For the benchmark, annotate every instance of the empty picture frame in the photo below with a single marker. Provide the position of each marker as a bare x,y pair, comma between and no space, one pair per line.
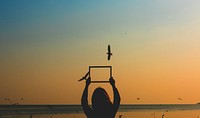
100,67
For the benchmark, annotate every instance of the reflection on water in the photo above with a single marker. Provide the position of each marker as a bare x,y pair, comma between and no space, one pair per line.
131,114
161,114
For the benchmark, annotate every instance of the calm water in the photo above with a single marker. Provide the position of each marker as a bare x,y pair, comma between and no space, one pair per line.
133,114
75,111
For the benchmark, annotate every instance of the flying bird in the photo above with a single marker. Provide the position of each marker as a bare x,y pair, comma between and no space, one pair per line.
180,98
84,77
109,52
138,98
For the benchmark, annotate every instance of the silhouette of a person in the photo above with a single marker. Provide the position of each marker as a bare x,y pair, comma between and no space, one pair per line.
102,107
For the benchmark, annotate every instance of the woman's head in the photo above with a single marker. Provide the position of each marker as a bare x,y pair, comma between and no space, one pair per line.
100,99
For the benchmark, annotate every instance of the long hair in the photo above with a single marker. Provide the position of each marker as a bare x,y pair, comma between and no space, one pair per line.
101,100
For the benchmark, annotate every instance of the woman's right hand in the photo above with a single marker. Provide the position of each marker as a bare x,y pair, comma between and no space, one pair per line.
88,81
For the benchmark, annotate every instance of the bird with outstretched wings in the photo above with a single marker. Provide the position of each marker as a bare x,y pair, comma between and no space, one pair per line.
84,77
109,52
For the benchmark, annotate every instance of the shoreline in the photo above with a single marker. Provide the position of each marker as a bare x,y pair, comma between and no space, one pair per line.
69,109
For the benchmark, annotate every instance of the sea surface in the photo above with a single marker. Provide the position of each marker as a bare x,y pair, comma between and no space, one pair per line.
125,111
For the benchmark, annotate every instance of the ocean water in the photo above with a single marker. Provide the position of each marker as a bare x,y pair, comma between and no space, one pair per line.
125,111
132,114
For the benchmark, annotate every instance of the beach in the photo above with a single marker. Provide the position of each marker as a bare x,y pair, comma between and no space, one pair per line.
125,111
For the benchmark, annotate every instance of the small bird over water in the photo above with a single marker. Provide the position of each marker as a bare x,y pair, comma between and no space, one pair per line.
180,98
109,52
138,98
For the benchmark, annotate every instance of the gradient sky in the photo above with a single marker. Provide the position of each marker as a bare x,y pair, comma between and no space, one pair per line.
47,45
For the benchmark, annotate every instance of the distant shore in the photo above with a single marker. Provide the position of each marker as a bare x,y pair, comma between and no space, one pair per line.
69,108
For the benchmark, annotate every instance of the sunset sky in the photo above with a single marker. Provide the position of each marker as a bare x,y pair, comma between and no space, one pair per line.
47,45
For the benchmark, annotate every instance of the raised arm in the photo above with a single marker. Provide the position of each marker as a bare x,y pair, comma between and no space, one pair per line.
84,100
117,98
